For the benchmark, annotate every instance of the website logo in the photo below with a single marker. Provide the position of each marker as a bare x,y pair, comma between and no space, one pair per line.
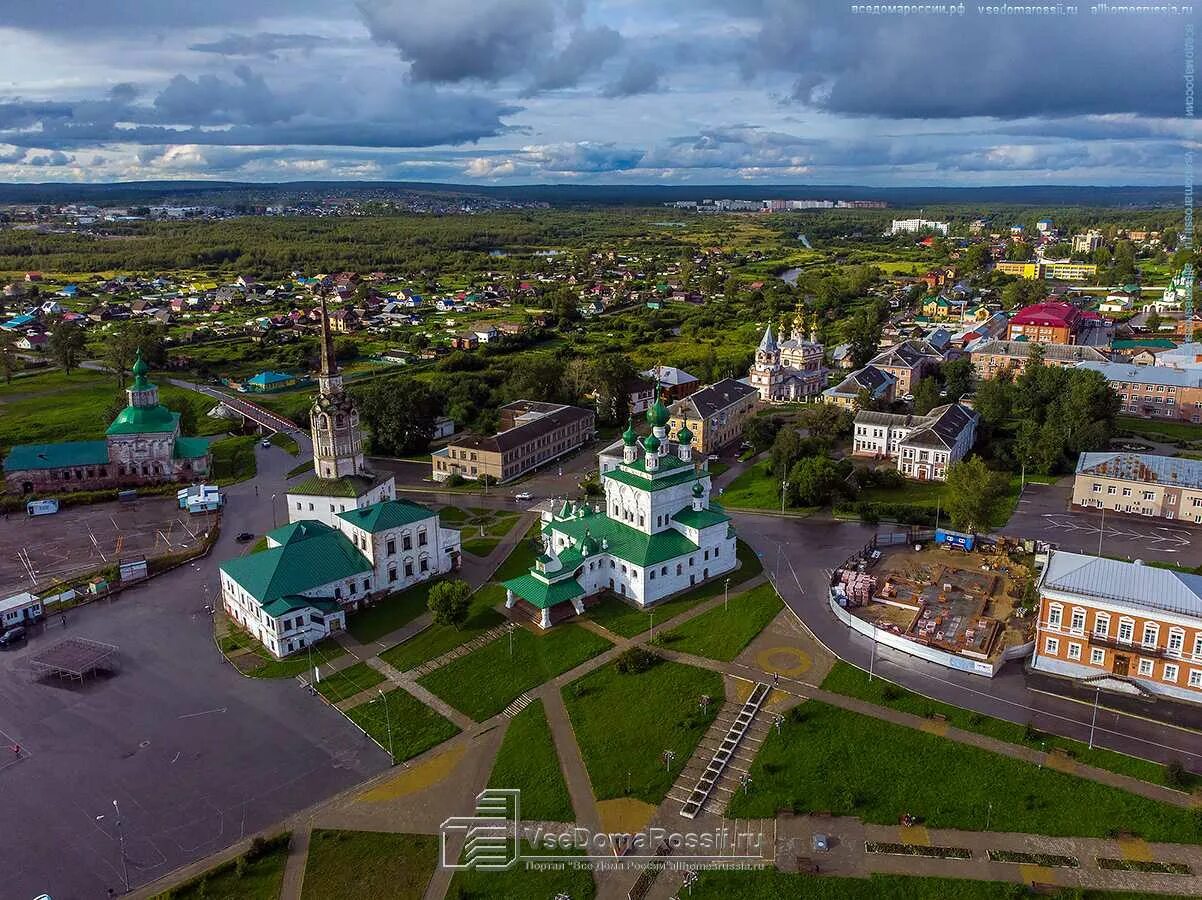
490,836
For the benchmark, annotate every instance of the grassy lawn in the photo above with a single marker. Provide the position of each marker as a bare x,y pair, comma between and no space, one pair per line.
756,488
390,613
716,467
1158,430
932,494
483,529
529,762
347,682
234,459
301,468
847,679
377,864
438,639
625,619
485,681
261,664
624,723
285,442
829,759
481,546
520,883
722,633
261,876
771,884
415,727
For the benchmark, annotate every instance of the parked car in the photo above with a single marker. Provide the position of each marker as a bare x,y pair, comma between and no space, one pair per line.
266,442
523,496
12,636
713,457
244,537
907,398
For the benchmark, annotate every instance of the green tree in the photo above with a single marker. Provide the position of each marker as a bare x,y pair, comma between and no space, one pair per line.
827,421
400,414
975,494
10,362
122,347
786,450
449,602
813,480
958,376
1153,321
977,258
760,432
66,344
926,395
863,332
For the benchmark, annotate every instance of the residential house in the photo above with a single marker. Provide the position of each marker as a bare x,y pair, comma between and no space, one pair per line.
715,415
924,447
879,385
674,384
991,358
908,363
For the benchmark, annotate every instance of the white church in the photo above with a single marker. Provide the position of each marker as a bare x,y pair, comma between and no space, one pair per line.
349,541
656,534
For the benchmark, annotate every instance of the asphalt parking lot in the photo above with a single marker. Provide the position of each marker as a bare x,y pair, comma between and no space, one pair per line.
1044,513
196,755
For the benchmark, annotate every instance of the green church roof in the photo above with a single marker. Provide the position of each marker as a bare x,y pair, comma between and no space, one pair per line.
190,447
57,456
542,595
313,555
627,543
386,514
346,486
144,419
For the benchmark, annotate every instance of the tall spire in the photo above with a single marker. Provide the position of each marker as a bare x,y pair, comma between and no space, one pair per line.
329,364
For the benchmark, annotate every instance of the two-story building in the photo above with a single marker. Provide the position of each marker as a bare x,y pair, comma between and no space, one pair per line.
908,362
1119,626
1154,392
714,415
991,358
1050,322
880,386
1166,487
532,433
924,447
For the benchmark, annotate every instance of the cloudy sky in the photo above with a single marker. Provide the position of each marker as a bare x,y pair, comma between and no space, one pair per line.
620,91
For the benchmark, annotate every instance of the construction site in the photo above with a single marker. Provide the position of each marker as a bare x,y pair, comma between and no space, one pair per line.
970,604
39,551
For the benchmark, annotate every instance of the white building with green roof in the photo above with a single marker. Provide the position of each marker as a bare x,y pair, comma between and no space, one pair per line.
143,445
299,589
657,532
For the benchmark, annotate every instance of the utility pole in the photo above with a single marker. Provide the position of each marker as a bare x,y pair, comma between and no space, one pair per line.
121,843
388,720
784,486
726,601
872,653
1093,721
273,512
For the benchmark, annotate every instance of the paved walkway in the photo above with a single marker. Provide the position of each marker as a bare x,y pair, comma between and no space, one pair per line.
431,700
294,866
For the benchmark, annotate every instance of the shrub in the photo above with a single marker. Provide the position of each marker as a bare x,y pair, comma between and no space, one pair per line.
455,480
1176,777
635,660
891,693
450,601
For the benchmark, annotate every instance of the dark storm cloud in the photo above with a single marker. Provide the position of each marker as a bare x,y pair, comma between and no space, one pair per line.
265,44
641,76
951,67
454,40
587,49
245,110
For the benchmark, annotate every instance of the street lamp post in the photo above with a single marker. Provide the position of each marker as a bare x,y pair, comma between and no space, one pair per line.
669,755
121,844
726,601
388,721
784,487
872,653
1094,720
273,512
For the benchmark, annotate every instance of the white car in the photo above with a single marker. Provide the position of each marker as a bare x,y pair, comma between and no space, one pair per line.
523,496
266,442
713,457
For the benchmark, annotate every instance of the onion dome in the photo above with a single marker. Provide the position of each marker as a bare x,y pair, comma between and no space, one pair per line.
588,546
684,436
651,443
657,415
140,368
629,436
698,490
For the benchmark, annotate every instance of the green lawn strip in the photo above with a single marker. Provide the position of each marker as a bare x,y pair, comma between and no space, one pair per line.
257,874
452,515
373,864
301,468
528,761
347,682
268,666
625,619
771,884
848,680
439,639
285,442
756,488
716,468
482,683
521,883
1158,430
390,613
836,761
723,632
415,727
624,723
234,459
481,546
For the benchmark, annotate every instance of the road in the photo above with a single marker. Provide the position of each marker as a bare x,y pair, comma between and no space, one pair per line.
196,755
1043,512
798,554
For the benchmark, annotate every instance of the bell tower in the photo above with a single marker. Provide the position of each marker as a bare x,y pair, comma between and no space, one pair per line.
333,418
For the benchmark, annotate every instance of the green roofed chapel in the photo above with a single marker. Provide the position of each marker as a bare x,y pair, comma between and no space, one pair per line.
299,589
142,446
657,533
